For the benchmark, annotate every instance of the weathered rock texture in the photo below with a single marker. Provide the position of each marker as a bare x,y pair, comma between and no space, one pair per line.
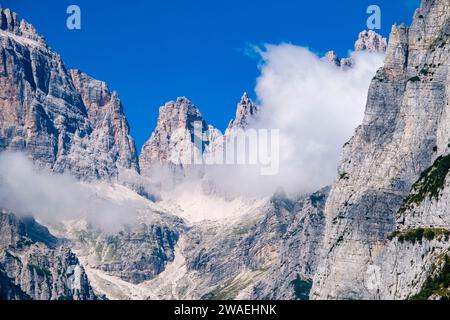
182,137
136,253
35,265
173,141
405,129
262,255
64,120
246,113
368,41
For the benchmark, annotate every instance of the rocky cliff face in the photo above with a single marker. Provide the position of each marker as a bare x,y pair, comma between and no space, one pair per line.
370,41
64,120
173,141
268,253
405,129
35,265
69,122
110,134
381,232
136,253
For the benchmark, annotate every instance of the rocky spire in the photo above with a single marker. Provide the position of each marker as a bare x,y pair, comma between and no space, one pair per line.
370,41
172,141
10,22
65,121
111,132
246,111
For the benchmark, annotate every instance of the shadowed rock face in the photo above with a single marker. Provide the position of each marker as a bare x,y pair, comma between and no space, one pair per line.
9,290
64,120
35,265
405,128
261,255
135,254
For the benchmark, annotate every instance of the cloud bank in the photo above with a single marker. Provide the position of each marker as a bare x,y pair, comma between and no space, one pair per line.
316,106
28,191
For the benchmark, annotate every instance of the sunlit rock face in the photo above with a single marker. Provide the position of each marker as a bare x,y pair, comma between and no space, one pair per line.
368,41
405,129
173,140
64,121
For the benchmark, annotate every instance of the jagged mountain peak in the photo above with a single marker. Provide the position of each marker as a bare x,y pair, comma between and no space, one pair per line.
331,56
246,110
10,22
181,113
370,41
93,91
64,120
107,118
172,140
181,106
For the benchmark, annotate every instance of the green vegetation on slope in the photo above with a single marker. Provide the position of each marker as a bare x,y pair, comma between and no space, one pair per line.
302,288
430,184
417,235
438,284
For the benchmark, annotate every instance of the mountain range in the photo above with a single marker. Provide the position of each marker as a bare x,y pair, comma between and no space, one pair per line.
380,231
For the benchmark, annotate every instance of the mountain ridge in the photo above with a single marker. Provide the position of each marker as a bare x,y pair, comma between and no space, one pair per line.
380,232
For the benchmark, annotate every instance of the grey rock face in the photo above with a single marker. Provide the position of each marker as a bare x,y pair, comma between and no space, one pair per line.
172,142
34,264
300,248
370,41
43,113
405,129
261,255
9,22
68,122
9,290
136,254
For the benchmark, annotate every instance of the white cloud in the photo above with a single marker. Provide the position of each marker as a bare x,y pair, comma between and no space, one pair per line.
316,105
26,190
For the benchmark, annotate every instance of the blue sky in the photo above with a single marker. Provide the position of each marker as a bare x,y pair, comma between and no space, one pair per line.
153,51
